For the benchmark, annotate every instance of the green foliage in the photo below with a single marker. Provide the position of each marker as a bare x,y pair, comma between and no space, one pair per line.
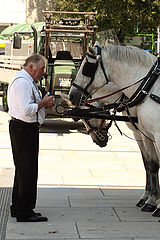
122,15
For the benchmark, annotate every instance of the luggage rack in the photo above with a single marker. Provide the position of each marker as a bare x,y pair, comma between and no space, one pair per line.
62,24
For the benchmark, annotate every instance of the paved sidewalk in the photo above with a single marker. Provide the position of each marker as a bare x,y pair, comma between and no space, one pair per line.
86,192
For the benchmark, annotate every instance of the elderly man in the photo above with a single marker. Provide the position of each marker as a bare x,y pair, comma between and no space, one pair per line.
27,111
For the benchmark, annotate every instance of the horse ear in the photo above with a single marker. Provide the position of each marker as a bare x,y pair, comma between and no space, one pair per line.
91,50
97,44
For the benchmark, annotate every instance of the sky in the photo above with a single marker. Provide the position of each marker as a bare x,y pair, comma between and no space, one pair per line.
12,11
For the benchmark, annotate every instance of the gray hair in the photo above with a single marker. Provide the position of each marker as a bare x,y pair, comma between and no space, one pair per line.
34,59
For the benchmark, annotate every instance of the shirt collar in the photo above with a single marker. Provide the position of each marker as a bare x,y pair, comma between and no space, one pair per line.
28,76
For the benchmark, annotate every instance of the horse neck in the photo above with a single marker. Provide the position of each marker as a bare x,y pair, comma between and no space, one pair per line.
107,90
124,74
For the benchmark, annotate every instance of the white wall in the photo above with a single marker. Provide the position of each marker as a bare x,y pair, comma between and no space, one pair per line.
13,11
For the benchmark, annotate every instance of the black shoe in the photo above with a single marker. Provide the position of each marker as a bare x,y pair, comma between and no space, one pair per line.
13,212
34,218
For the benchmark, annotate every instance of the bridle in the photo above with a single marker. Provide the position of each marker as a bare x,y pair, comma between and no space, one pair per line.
89,70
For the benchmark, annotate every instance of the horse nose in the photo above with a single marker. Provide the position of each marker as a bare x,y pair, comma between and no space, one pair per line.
74,96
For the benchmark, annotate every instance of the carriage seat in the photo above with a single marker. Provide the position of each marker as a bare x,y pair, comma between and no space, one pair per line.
63,55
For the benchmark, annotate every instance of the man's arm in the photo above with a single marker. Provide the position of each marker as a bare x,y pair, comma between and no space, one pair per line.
47,101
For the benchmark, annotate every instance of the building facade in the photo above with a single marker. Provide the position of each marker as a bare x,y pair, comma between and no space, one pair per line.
12,12
22,11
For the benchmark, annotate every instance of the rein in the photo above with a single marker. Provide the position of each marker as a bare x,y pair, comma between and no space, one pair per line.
120,90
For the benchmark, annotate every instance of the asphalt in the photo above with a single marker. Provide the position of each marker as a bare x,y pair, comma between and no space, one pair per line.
87,192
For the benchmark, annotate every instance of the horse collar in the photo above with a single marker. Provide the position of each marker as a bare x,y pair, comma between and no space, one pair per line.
146,85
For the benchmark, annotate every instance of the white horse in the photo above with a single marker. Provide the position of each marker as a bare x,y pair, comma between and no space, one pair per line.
125,66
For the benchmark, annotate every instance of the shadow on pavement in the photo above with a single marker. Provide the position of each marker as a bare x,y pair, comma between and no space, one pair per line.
62,126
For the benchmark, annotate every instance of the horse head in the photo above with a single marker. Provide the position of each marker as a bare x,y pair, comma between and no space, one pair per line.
90,77
85,87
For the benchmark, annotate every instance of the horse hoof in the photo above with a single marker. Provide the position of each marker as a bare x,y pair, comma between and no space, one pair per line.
156,213
148,208
141,203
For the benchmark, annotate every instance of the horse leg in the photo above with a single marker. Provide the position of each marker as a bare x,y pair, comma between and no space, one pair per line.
147,191
152,166
156,213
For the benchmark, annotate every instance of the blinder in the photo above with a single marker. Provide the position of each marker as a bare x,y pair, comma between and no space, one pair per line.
89,69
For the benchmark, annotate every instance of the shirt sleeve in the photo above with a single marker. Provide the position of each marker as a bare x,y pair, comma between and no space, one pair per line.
23,95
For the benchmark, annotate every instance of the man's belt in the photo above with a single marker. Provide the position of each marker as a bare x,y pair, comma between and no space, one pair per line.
20,121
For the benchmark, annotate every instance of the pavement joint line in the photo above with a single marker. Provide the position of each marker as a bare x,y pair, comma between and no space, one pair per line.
87,150
102,192
92,185
69,201
117,214
79,236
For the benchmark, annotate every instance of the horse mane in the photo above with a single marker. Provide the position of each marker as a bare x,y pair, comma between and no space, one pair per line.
131,54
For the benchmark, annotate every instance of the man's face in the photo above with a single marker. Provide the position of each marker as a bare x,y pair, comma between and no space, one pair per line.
38,71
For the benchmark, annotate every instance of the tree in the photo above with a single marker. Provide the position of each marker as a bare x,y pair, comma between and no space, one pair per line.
124,16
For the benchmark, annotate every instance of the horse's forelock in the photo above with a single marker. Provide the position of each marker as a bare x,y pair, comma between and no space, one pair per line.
91,50
131,55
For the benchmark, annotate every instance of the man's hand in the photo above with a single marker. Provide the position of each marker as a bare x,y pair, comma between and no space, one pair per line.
47,101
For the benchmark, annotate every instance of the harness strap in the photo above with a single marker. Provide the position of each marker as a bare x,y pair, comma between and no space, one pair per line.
141,85
101,125
102,66
99,52
81,89
145,86
120,90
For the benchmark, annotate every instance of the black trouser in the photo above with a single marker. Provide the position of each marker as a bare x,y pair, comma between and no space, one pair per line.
25,146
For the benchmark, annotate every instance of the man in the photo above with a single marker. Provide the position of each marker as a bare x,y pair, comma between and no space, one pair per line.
27,111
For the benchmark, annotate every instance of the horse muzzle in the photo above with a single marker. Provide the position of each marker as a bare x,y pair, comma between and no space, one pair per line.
100,138
77,97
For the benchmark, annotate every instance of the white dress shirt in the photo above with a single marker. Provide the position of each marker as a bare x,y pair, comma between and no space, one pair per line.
21,97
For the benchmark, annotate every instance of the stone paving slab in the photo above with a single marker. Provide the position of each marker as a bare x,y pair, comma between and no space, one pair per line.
119,230
46,230
71,214
92,202
62,193
146,238
122,193
134,214
48,197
